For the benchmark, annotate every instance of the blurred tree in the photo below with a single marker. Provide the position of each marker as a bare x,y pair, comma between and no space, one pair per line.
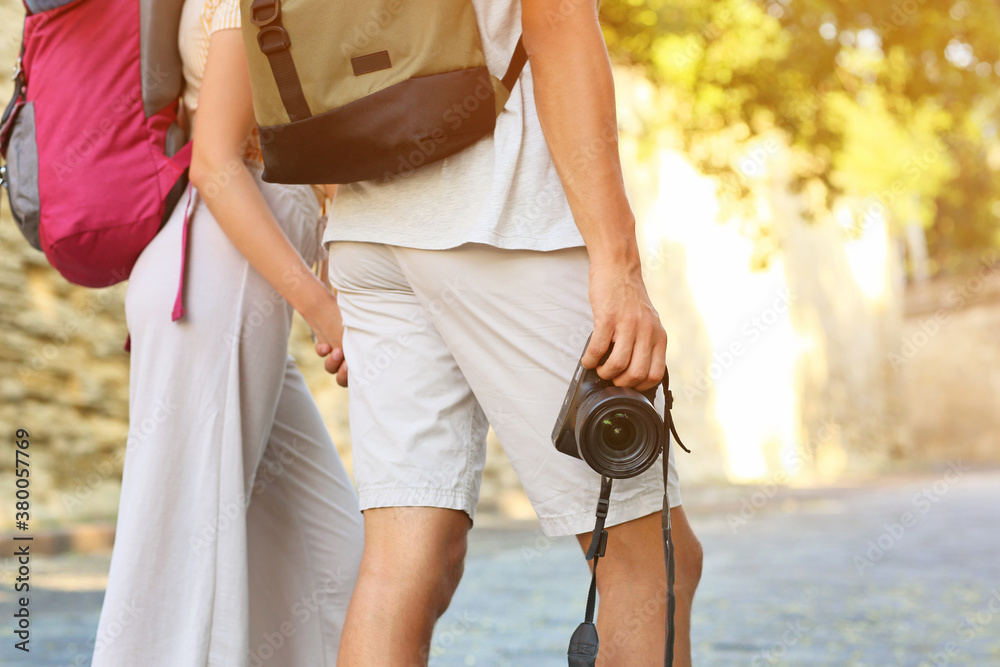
889,102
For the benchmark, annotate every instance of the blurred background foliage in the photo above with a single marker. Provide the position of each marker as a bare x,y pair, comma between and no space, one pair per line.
894,102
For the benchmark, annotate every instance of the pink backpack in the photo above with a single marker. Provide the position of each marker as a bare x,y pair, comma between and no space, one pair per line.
95,159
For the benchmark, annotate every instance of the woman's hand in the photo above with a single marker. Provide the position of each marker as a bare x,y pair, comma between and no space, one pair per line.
328,331
323,317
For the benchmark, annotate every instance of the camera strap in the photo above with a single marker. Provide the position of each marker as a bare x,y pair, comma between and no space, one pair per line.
668,542
585,643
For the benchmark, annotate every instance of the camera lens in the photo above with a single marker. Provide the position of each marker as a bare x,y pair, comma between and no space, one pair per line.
617,431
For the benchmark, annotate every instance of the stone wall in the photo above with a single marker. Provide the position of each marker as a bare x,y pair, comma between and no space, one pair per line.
63,377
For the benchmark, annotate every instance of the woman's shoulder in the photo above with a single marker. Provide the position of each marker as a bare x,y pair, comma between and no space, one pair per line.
220,14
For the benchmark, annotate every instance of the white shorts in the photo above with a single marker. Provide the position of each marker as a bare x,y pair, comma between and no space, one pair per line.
444,343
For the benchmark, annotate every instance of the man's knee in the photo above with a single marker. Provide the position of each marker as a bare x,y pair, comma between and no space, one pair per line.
635,549
689,555
691,560
453,566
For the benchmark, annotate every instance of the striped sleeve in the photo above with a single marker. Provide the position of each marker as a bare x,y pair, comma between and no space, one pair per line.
225,15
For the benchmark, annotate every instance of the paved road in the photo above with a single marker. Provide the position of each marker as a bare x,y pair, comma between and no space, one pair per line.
900,572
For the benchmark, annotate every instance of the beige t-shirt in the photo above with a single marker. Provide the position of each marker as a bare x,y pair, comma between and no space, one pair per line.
503,191
200,19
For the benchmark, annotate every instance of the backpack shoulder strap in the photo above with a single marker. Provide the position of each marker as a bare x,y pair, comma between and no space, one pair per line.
7,121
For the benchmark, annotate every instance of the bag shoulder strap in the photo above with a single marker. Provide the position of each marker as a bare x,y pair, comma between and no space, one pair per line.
273,40
517,63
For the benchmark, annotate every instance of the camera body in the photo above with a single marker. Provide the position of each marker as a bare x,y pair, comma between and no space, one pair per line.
615,430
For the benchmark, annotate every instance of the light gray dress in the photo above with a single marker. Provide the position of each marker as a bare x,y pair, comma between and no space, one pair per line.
239,535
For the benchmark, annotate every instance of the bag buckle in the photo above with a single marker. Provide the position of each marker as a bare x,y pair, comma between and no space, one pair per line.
270,47
17,70
265,12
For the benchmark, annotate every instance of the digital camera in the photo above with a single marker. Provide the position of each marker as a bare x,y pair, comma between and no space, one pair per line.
615,430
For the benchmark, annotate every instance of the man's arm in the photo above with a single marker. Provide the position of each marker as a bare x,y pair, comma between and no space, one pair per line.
574,94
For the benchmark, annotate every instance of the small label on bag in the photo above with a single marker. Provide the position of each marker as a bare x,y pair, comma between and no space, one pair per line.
373,62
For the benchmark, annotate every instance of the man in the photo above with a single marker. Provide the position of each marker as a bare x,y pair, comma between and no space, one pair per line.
465,300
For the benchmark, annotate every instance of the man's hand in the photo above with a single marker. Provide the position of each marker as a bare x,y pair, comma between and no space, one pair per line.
323,317
624,314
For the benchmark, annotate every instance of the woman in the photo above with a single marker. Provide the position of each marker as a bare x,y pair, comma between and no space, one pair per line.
239,535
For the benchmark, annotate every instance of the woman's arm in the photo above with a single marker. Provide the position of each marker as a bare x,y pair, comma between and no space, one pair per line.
224,122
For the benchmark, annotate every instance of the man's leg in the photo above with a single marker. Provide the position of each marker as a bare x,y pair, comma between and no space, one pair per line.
632,583
411,566
419,441
516,322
